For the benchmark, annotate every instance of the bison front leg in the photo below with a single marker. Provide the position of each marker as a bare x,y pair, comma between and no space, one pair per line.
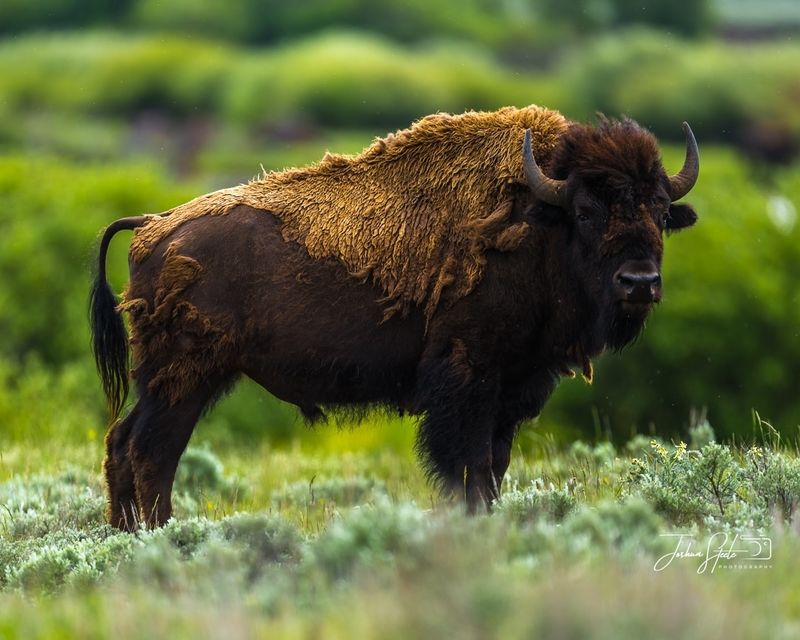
518,402
455,436
480,486
455,444
502,443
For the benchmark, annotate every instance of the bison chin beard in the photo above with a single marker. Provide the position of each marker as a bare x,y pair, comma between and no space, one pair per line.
625,323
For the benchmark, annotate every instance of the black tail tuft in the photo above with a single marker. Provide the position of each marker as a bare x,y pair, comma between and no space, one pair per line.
109,338
110,344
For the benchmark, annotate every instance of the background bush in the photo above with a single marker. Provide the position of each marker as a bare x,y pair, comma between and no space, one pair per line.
744,95
497,24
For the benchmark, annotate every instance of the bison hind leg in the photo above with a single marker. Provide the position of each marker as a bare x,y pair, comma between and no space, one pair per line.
121,510
158,440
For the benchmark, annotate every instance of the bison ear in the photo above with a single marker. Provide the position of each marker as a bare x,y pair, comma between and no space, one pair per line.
679,217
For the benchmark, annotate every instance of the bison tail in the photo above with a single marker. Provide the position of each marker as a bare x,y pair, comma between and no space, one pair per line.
109,338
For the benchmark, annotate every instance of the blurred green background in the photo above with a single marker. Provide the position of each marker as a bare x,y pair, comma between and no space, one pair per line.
111,108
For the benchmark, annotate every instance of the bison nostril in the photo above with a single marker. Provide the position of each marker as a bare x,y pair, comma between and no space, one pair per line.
647,279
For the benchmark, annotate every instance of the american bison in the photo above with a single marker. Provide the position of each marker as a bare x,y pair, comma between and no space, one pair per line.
454,270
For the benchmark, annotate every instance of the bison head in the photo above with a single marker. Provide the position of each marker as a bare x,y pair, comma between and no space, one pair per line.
609,189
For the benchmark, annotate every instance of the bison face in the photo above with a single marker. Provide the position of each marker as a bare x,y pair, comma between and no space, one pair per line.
616,201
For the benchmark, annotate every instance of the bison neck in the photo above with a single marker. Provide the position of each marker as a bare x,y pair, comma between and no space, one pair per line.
568,326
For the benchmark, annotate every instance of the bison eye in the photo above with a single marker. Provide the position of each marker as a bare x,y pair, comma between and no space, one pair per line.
588,210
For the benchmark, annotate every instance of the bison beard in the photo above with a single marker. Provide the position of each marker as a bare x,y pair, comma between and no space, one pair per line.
439,273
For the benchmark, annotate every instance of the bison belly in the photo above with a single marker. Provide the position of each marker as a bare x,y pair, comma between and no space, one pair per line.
227,294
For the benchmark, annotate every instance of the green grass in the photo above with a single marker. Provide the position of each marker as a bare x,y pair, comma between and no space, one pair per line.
342,538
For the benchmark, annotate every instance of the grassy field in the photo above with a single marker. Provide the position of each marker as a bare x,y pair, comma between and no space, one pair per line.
341,537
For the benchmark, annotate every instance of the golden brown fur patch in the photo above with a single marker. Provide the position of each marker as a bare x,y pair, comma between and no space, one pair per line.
415,211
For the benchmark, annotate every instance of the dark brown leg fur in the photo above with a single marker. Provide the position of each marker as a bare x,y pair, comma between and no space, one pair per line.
502,443
480,487
158,439
121,509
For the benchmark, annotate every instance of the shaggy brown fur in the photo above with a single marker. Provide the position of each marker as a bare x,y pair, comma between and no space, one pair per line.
175,326
615,155
415,212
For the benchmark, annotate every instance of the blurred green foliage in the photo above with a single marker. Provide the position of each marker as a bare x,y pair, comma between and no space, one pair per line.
498,24
403,20
747,96
332,80
20,15
50,213
355,81
694,17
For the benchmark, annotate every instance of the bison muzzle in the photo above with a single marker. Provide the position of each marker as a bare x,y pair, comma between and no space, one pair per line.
455,270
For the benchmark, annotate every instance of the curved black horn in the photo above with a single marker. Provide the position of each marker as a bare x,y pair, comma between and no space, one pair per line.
682,182
544,188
